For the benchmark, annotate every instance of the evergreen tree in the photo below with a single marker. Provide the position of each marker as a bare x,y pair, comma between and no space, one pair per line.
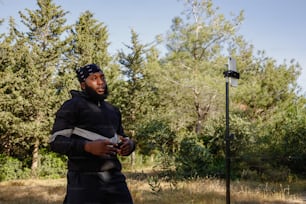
7,119
88,43
267,100
138,93
38,53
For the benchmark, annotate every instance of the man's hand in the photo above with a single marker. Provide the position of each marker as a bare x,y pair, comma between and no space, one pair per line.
101,148
127,146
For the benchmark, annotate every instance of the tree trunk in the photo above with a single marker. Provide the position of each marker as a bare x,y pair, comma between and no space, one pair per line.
35,158
133,157
133,153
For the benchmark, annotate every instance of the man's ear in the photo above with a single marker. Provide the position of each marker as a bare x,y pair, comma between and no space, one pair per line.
83,86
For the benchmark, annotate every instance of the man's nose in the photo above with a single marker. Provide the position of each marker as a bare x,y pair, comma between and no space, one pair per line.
100,81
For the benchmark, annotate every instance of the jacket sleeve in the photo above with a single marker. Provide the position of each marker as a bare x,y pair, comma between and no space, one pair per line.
61,140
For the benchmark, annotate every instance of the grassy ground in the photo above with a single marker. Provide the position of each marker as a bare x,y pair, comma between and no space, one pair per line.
147,190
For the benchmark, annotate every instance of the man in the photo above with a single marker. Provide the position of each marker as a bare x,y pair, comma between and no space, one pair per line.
89,131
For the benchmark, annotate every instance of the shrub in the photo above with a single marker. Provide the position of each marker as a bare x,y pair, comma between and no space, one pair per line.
11,168
52,165
156,138
193,158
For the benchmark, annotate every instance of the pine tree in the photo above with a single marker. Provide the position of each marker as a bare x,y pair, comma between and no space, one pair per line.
7,118
137,94
40,55
88,43
137,91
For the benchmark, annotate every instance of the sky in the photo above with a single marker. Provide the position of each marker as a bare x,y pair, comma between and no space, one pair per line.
276,26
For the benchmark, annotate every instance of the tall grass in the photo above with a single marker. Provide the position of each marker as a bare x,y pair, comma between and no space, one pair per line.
147,190
211,191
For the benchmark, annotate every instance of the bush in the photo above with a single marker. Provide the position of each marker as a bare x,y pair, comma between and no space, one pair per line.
156,138
193,158
52,165
11,168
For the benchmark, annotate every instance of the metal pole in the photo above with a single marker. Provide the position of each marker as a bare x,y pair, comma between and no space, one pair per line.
227,140
233,74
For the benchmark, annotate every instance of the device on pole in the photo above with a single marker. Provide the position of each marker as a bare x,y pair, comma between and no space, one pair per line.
232,72
232,77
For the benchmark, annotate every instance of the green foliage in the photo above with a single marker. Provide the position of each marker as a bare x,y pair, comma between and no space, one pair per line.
157,138
29,75
173,105
137,97
193,158
89,42
192,70
288,144
52,165
11,168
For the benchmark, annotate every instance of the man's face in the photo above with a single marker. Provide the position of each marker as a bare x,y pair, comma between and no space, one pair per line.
96,81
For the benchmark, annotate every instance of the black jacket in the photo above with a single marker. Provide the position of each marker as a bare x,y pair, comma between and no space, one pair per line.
81,119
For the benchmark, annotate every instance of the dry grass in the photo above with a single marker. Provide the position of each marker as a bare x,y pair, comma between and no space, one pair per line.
32,191
210,191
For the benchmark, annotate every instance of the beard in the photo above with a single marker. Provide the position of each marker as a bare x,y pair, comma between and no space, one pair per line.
94,95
